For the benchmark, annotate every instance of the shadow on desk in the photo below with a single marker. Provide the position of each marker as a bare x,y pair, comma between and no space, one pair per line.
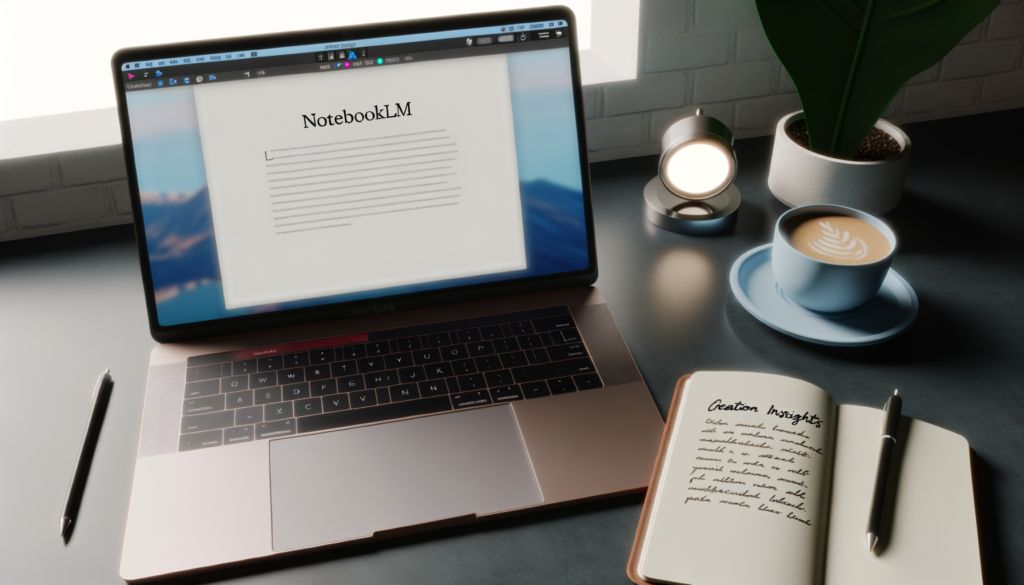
239,571
993,559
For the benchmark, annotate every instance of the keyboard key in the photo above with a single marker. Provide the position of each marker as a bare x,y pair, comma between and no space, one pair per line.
469,335
270,364
521,327
530,341
373,364
318,372
268,395
308,406
409,344
378,348
561,385
567,351
426,356
380,379
436,371
200,440
323,387
535,389
290,376
352,352
398,360
350,383
506,331
321,356
565,336
513,360
463,367
263,380
279,411
279,428
238,399
435,388
204,404
363,398
192,374
347,418
498,378
383,397
411,375
486,363
206,422
403,392
204,388
333,403
472,382
339,369
467,399
213,371
588,381
234,384
248,416
506,394
491,332
553,323
295,391
480,348
243,368
239,434
506,345
553,370
438,339
454,352
296,360
537,356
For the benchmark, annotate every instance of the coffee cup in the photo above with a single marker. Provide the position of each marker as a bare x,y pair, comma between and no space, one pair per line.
831,258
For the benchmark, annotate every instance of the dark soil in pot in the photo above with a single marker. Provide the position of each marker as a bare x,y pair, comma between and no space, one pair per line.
877,146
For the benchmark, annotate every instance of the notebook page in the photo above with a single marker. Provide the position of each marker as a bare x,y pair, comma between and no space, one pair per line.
934,536
744,488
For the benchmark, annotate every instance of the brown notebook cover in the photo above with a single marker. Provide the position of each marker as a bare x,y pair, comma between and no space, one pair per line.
634,554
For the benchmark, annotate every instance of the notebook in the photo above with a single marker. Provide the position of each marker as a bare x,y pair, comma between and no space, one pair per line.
765,479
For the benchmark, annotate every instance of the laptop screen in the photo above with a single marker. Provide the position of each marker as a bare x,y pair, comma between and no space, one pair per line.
287,177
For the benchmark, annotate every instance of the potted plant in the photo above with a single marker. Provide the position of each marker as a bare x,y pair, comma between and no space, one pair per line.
848,59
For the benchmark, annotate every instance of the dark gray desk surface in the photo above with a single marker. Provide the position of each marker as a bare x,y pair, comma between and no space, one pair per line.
72,305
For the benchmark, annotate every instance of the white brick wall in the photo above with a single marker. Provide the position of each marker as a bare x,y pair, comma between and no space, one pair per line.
693,53
725,65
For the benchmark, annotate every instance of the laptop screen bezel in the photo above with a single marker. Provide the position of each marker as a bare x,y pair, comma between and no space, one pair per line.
180,332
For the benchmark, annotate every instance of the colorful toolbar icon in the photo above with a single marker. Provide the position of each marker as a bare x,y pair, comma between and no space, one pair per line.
159,73
160,84
130,76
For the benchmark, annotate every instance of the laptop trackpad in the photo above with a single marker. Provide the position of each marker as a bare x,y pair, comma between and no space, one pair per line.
351,483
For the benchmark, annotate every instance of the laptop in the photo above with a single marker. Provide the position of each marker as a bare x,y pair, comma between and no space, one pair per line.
367,255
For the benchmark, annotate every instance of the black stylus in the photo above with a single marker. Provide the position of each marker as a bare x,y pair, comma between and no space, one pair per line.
100,396
890,425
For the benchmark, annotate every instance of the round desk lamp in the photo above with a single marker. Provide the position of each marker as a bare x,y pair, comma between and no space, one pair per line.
693,192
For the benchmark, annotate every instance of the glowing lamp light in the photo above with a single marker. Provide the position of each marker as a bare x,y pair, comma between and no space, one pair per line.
693,192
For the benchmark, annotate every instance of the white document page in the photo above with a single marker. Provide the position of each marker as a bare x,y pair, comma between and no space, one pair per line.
353,180
933,535
744,489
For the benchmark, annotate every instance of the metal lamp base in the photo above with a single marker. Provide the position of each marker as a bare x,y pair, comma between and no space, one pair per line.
708,216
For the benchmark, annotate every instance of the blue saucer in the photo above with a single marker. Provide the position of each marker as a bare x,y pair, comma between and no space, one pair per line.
890,313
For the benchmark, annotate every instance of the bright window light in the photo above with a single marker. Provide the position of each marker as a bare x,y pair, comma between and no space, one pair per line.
55,56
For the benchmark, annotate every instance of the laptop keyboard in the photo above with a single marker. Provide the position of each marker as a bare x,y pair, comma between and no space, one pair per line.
241,396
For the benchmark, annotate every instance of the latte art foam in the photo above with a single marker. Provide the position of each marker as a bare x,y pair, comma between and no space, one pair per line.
837,239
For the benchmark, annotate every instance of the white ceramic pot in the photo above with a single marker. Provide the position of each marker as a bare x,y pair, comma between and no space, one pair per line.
801,177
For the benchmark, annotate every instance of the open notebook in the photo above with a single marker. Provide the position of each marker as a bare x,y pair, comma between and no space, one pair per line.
764,479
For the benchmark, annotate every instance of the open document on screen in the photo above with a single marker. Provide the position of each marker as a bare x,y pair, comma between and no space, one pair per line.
332,183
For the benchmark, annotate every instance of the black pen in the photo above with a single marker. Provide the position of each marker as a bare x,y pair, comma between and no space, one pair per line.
890,425
100,396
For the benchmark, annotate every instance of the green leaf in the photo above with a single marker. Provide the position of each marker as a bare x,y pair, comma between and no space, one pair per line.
848,58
